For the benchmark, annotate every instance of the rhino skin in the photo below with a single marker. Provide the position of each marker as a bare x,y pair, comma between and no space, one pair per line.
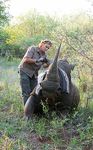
51,94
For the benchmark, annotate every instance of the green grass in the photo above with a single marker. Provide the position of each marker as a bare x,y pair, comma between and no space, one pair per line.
72,133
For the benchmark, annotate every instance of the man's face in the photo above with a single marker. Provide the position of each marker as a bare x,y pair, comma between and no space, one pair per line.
45,47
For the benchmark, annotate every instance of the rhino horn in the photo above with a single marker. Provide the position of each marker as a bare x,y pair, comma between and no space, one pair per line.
52,77
53,69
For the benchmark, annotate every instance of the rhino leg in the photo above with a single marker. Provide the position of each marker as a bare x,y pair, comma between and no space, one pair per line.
29,106
33,106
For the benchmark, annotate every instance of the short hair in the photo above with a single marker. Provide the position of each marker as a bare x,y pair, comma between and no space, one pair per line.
47,41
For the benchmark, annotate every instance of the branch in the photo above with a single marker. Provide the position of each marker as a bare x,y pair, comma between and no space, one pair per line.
81,52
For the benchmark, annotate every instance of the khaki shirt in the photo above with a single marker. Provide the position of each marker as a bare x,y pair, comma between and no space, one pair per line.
32,69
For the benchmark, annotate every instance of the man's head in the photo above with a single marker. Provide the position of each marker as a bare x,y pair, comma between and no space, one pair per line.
44,45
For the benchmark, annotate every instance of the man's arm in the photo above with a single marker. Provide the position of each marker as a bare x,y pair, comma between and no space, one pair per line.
28,57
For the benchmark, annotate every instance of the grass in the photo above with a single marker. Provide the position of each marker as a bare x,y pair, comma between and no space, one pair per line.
72,133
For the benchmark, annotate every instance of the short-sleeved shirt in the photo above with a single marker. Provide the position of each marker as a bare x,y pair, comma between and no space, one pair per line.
30,68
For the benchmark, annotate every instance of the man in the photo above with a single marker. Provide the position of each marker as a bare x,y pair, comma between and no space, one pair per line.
32,61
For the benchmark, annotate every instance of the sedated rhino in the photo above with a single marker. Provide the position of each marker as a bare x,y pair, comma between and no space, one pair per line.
55,90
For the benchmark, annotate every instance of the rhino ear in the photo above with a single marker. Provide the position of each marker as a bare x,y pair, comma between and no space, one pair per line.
72,66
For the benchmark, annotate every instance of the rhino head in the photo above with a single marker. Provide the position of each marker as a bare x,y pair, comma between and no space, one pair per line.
51,81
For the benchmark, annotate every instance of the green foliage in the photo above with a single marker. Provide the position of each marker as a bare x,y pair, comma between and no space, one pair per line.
32,28
3,45
75,33
4,15
29,30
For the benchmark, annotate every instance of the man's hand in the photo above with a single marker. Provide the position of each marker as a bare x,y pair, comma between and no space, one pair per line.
44,60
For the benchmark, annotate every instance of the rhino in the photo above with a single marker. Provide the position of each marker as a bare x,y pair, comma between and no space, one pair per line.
54,90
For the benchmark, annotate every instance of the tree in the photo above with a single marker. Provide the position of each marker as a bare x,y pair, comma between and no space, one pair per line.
4,19
4,15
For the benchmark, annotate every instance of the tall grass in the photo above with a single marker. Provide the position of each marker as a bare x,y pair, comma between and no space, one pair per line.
72,133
